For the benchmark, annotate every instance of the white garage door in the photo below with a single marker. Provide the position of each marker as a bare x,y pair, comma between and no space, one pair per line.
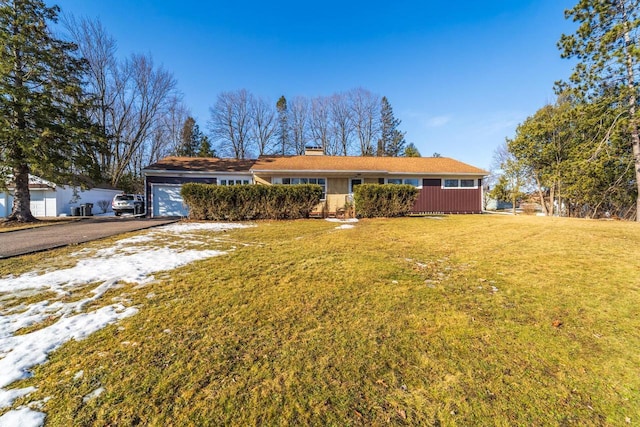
38,207
167,201
5,207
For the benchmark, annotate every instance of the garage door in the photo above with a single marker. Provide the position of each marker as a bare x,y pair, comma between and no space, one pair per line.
5,207
167,201
37,205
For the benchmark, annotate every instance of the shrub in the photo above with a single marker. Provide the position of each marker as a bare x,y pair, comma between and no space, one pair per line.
248,202
104,205
528,208
384,200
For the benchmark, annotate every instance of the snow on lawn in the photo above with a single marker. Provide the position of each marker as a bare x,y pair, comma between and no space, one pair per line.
346,223
132,260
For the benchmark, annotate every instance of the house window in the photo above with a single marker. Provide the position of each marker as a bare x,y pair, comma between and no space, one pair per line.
294,181
459,183
234,182
407,181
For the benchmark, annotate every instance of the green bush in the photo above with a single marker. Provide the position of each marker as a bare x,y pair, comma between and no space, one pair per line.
249,202
384,200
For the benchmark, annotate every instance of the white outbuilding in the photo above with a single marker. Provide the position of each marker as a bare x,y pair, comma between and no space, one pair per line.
50,200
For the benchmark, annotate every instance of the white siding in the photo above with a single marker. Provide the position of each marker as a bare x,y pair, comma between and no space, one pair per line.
66,199
4,205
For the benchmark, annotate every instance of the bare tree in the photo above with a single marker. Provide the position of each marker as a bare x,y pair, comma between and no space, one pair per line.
264,127
170,128
299,122
99,50
130,98
341,124
231,122
365,109
319,126
137,112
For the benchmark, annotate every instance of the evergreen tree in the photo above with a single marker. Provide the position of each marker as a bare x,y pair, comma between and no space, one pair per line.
411,151
283,124
43,126
205,149
189,143
391,142
606,46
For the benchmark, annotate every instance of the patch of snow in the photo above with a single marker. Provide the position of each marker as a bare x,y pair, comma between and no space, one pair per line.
95,393
345,226
23,417
349,220
8,396
23,352
132,260
185,227
78,375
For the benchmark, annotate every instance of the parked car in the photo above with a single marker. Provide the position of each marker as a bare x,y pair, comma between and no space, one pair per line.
128,203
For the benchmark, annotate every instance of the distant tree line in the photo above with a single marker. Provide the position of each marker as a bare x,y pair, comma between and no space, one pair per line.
580,156
356,122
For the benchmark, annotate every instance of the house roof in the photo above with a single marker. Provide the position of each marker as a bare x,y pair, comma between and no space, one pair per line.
202,164
327,164
403,165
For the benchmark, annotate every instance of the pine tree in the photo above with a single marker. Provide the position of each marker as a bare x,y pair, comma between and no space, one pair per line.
606,46
283,124
205,149
43,126
411,151
391,142
188,138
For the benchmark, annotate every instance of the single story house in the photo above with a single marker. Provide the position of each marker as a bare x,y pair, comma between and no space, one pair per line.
50,200
446,185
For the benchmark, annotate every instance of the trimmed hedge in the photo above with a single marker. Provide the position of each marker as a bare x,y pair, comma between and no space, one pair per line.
384,200
249,202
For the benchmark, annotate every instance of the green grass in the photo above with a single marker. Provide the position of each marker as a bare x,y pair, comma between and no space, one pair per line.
467,320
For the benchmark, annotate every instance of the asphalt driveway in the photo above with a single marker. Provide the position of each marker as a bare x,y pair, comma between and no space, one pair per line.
20,242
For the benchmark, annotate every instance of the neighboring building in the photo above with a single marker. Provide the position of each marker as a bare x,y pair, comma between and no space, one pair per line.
50,200
446,185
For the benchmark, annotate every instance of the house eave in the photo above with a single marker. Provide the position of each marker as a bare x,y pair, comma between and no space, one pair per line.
359,172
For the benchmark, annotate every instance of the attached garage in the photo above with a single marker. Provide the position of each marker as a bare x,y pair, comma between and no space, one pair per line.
164,180
167,201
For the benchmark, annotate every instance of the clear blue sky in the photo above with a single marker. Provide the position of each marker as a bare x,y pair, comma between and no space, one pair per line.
459,74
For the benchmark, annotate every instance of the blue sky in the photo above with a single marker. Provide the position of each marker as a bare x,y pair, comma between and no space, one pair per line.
460,75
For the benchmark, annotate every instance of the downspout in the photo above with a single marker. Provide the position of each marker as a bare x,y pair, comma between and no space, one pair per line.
147,198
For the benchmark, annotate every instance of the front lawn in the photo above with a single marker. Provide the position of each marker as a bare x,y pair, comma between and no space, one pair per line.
461,320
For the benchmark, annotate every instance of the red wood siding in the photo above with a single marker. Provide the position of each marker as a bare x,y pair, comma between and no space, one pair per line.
434,199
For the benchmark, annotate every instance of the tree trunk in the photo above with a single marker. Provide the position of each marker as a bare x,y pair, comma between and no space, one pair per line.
21,210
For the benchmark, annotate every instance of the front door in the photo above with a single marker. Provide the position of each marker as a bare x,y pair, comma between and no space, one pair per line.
353,183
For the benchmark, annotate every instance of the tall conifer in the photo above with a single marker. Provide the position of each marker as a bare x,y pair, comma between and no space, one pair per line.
43,125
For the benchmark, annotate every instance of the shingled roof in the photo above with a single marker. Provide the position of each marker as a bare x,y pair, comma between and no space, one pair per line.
418,165
336,164
202,164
